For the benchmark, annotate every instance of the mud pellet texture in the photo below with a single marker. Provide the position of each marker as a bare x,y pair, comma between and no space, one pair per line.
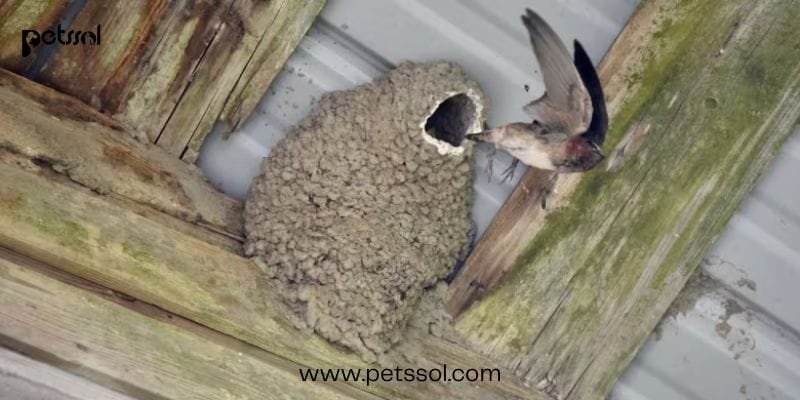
355,214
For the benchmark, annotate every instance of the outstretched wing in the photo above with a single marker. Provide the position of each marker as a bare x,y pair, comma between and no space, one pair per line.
566,106
599,124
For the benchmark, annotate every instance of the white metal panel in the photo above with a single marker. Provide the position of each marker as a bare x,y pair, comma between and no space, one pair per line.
756,262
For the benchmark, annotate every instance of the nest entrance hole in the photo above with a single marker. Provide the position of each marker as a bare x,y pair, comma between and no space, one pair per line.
452,119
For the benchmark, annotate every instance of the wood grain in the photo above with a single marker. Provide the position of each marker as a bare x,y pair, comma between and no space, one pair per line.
703,94
91,149
25,14
228,92
521,217
152,355
167,70
23,378
85,235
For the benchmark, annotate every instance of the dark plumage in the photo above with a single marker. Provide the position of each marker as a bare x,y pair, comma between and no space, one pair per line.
599,125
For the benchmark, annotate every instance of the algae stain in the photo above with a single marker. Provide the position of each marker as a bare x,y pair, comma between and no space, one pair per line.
65,231
24,15
666,24
661,71
47,220
136,253
652,81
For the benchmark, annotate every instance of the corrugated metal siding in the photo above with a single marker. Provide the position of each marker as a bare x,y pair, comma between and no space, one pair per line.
738,336
702,353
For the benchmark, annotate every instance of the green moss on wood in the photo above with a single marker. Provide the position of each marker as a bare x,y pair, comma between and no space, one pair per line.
49,220
24,14
137,253
661,210
65,231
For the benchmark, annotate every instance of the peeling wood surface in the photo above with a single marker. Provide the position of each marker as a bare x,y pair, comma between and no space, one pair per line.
84,235
703,94
87,146
136,349
167,70
24,14
231,94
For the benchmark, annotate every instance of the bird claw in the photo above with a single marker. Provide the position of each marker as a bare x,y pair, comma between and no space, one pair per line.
509,172
545,194
490,165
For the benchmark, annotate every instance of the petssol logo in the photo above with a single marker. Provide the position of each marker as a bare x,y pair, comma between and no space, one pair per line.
32,38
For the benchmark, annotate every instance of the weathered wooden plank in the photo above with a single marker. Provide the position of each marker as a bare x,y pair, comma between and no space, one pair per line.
273,50
229,91
704,93
25,14
519,219
89,148
81,233
146,355
100,75
149,55
23,378
168,70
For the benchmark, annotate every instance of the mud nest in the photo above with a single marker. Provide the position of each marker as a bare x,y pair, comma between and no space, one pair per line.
360,212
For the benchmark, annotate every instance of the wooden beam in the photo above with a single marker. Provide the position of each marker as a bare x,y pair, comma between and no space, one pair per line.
168,70
703,94
136,349
261,64
85,235
25,14
23,378
518,221
89,148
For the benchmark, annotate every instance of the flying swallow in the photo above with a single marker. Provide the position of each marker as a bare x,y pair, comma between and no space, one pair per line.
569,121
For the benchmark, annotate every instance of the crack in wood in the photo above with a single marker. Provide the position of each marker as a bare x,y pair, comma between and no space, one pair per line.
191,75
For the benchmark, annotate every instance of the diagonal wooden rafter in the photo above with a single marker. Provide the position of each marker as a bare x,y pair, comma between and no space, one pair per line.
702,95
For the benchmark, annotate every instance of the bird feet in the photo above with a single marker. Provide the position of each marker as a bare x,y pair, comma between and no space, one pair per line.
545,194
490,165
508,174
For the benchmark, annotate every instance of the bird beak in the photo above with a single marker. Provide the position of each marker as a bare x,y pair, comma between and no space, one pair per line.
477,137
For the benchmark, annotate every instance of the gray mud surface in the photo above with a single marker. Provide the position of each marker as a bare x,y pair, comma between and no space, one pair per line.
357,215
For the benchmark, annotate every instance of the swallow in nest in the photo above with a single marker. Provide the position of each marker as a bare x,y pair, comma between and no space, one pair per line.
569,121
